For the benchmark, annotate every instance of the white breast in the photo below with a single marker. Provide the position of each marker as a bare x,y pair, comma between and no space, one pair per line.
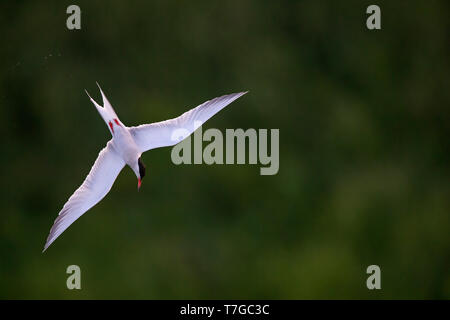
124,144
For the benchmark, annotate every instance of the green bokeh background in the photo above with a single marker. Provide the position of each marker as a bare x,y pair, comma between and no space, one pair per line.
364,149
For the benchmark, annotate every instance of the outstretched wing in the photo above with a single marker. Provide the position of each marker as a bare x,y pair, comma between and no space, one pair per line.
96,185
170,132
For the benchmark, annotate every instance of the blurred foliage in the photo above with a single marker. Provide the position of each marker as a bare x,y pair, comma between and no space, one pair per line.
364,149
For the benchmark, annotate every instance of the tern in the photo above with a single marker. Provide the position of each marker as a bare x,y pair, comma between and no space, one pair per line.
125,148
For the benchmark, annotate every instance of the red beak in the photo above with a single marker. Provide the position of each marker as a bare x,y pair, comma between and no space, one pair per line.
139,183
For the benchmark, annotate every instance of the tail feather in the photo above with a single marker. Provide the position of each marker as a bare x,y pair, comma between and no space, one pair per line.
106,103
106,111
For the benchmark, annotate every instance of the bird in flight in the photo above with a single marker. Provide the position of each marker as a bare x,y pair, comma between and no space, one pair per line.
125,148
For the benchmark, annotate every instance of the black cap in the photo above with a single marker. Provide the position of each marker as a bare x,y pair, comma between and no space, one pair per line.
141,168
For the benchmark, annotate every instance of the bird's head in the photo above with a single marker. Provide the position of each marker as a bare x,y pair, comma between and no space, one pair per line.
139,170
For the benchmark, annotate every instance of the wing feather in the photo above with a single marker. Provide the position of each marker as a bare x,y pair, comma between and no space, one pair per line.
96,185
164,133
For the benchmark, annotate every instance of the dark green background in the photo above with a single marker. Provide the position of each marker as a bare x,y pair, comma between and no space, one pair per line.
364,155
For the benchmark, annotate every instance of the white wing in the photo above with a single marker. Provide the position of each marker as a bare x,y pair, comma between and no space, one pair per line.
96,185
170,132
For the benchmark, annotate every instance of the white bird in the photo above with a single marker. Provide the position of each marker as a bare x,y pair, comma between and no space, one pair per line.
125,147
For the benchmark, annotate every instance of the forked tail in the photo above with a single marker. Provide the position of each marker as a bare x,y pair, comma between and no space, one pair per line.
107,112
